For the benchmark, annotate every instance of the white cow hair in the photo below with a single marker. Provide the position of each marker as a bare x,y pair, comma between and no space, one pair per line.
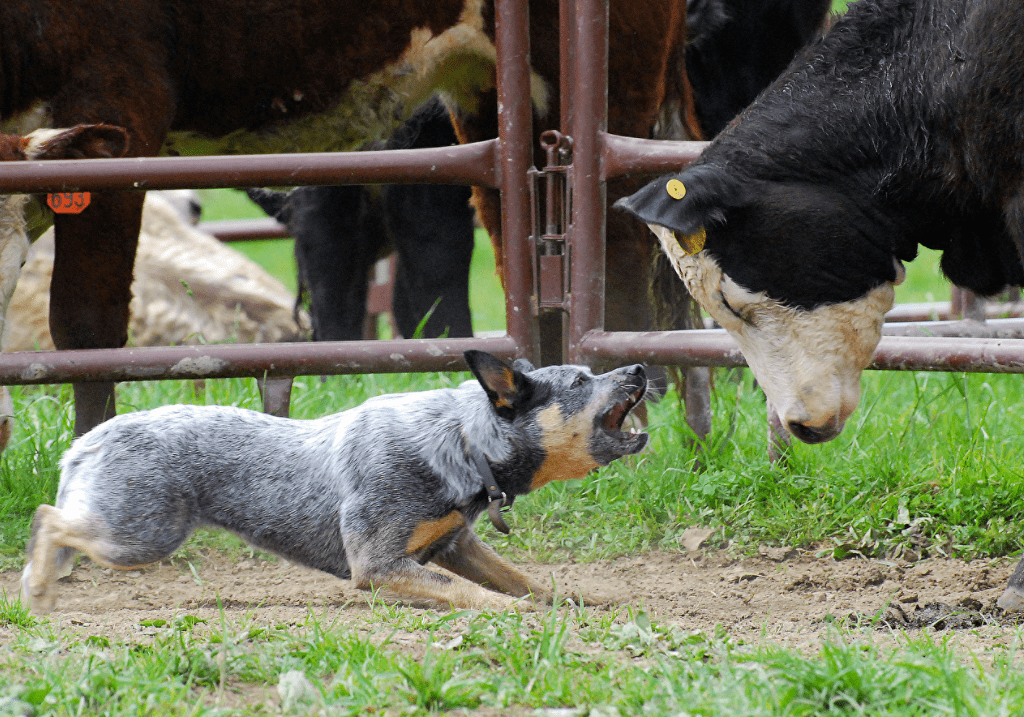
188,287
14,244
791,351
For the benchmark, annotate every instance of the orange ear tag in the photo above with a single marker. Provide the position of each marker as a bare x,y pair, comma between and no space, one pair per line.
692,243
68,202
675,189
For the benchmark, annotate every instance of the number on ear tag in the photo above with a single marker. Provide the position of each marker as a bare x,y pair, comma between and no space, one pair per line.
68,202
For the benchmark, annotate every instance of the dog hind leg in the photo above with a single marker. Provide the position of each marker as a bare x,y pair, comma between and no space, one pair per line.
55,540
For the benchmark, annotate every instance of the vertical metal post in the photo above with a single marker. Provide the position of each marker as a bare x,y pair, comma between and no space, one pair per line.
515,140
590,120
566,62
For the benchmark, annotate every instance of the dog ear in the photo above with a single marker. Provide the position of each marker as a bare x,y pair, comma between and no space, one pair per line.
505,385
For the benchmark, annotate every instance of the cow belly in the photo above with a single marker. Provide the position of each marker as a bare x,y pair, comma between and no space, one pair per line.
458,64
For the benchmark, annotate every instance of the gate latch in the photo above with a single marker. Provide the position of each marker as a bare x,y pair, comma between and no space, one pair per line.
550,200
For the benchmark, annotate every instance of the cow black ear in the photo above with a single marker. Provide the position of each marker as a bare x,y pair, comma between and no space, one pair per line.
689,201
505,385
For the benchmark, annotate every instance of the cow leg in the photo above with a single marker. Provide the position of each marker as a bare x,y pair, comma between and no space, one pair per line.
91,289
338,237
432,228
276,394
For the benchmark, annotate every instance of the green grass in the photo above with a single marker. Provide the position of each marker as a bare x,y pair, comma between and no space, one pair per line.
594,663
931,464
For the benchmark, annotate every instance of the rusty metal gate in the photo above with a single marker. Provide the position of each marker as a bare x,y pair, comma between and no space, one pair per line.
503,163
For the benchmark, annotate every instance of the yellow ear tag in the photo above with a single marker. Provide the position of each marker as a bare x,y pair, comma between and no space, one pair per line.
675,189
691,243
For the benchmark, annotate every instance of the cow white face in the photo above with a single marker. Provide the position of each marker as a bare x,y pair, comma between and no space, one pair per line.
808,362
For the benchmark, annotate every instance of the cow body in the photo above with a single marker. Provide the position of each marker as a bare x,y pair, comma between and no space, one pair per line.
177,75
341,231
219,76
900,127
738,47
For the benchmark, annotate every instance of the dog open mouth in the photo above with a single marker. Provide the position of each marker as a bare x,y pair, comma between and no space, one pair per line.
611,421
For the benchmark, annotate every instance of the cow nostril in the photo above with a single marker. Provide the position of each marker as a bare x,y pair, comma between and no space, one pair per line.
808,434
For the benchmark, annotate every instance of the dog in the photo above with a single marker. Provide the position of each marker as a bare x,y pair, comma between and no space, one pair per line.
370,494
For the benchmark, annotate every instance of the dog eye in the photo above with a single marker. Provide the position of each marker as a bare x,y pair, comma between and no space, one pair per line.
580,380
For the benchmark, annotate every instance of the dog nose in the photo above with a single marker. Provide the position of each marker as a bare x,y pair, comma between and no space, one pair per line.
811,434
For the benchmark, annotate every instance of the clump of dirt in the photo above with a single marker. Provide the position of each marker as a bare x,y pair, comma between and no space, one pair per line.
782,596
965,615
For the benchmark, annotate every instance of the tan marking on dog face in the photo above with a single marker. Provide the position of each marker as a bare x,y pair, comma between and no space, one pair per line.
807,362
566,443
429,531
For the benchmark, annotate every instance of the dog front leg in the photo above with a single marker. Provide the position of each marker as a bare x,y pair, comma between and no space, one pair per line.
407,578
475,560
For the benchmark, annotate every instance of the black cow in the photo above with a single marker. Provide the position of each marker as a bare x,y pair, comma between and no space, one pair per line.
902,126
738,47
340,231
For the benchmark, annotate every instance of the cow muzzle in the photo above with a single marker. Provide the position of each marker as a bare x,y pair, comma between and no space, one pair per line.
813,434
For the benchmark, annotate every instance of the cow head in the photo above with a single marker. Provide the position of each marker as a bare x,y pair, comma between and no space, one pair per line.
799,274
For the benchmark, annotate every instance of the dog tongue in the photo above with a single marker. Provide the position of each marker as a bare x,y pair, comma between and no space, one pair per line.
613,421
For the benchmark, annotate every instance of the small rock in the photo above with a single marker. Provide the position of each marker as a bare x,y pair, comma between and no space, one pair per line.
777,554
693,539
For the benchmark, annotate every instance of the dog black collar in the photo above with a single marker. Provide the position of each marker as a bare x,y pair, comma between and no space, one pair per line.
497,500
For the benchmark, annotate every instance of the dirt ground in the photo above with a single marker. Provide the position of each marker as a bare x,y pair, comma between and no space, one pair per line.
781,596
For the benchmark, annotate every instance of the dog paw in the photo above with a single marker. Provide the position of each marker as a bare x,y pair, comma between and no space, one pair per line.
39,602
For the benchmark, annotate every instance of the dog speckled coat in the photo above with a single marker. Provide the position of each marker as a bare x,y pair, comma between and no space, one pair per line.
370,494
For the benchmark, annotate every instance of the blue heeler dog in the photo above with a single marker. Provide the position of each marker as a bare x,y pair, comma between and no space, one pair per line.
369,494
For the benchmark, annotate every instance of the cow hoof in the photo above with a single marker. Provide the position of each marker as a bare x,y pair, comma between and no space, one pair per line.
1012,600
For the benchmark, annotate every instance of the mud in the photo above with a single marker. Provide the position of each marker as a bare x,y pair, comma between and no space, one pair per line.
781,596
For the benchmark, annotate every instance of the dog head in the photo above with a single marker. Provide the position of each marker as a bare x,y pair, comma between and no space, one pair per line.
570,416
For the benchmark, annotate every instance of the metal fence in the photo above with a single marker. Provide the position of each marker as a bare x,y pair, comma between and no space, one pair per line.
501,163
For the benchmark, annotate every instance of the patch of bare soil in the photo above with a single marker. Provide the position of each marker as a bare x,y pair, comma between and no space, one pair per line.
783,597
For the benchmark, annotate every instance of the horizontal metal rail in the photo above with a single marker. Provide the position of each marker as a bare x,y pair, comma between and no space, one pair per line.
894,353
629,155
943,310
153,363
475,163
229,230
673,348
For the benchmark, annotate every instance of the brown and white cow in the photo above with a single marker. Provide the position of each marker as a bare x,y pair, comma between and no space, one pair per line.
78,142
219,76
